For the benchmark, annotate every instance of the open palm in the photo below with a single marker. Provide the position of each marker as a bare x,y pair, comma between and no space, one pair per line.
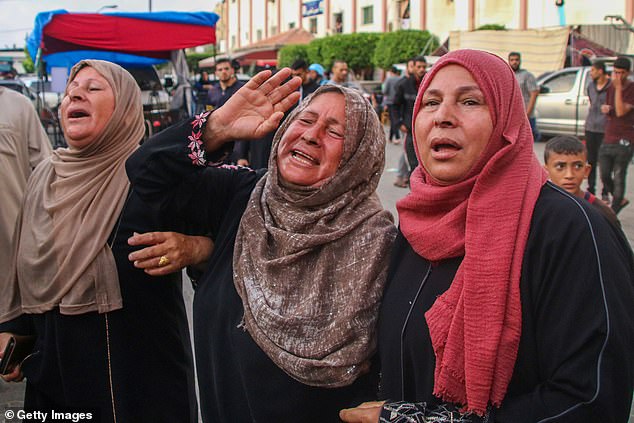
257,108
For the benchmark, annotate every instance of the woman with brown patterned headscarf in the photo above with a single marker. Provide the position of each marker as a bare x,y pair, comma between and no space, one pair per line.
110,339
285,316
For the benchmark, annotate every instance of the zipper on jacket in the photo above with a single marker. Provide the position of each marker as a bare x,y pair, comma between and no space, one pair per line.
409,312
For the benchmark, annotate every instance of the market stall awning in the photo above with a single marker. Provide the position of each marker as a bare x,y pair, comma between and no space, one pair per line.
118,37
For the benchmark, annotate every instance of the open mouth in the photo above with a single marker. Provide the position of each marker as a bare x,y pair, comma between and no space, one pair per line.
304,158
76,114
444,145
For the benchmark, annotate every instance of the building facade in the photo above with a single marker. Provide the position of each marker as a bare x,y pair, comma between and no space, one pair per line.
245,22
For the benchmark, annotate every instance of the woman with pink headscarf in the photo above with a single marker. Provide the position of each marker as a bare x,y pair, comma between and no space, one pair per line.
508,300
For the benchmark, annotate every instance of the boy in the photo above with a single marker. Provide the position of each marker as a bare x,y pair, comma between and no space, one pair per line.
566,161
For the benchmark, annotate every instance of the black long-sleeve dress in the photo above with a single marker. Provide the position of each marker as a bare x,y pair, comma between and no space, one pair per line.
237,380
575,360
130,365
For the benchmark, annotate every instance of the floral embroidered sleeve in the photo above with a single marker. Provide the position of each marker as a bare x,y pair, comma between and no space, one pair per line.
197,152
172,172
420,412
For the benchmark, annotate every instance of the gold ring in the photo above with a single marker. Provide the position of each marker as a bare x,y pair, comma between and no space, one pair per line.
163,261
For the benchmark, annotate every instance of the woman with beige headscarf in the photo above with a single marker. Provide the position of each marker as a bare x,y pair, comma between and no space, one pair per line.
285,315
110,339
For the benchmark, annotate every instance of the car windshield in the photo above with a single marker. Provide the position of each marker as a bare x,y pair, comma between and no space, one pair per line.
146,77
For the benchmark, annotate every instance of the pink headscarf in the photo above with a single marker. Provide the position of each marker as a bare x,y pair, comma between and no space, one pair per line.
475,326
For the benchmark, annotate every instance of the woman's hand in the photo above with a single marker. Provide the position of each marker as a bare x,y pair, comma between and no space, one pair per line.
254,110
168,252
367,412
16,373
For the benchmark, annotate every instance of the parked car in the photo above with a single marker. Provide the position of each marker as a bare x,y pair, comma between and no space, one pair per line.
156,100
43,90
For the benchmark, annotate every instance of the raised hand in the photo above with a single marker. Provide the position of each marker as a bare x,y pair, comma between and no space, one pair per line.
254,110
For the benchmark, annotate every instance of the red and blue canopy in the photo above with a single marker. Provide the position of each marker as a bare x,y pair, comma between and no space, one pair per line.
64,38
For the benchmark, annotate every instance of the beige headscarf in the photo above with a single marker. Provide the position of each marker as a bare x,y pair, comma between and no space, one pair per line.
310,263
72,205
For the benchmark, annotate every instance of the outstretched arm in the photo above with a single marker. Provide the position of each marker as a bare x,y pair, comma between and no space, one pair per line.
254,110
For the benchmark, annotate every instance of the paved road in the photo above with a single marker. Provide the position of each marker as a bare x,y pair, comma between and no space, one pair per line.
12,396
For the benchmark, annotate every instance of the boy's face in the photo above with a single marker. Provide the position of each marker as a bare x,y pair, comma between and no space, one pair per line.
568,171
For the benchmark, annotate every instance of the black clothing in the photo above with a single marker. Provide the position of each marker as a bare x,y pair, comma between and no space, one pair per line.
404,101
574,359
146,342
216,98
237,380
308,88
593,143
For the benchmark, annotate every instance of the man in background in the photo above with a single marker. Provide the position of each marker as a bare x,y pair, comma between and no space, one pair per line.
404,101
227,86
529,88
597,91
300,68
616,151
389,93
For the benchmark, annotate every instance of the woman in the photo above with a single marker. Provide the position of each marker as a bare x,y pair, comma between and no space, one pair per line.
284,317
111,339
507,298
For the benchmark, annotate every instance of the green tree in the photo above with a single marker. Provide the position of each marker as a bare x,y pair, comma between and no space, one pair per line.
194,58
356,49
291,52
28,65
399,46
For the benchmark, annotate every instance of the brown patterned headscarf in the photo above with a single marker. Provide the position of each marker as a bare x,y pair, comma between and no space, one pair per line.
73,202
310,263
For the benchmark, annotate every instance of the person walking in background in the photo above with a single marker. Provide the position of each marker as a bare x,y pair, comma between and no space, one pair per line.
316,74
340,75
404,100
529,88
227,86
596,90
402,176
616,151
300,68
389,93
202,87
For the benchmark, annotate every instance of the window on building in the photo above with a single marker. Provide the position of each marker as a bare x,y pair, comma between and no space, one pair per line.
258,34
338,26
368,15
233,41
291,25
274,30
313,25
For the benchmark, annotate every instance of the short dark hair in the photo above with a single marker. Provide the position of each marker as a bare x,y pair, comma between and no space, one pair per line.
622,63
564,144
420,58
299,64
599,66
515,54
224,60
